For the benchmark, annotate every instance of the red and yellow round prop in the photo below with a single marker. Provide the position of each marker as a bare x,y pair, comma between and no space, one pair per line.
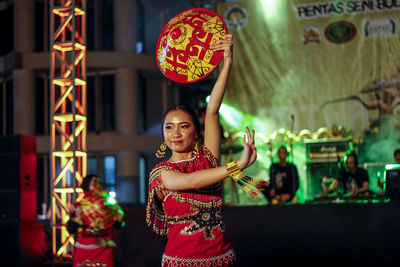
99,210
183,49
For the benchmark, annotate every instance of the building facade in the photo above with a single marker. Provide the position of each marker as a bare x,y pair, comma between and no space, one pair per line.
126,93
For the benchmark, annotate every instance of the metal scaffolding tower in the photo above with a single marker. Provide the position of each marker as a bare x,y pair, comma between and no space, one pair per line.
67,116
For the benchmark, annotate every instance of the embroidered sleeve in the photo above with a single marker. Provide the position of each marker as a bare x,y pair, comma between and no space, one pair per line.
209,156
155,214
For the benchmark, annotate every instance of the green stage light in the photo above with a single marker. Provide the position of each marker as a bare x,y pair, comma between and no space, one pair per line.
392,166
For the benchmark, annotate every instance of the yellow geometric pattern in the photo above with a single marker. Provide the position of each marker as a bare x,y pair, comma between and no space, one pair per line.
183,52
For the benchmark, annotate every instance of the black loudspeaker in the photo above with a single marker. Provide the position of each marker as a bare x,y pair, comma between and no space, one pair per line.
9,207
23,239
18,194
10,247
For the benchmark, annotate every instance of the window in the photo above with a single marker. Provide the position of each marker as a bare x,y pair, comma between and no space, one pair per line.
100,25
42,98
90,25
154,97
107,88
109,173
147,161
42,26
141,104
6,107
92,165
105,167
143,182
140,28
100,102
91,103
6,29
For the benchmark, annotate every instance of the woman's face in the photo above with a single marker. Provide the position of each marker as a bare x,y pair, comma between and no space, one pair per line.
179,131
95,184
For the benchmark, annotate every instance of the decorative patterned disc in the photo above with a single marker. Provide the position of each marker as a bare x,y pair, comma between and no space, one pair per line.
97,210
183,50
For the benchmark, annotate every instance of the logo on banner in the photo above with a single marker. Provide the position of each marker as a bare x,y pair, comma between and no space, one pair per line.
235,18
340,32
311,34
341,7
381,27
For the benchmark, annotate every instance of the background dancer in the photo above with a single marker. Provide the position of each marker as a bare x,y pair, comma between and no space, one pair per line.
92,222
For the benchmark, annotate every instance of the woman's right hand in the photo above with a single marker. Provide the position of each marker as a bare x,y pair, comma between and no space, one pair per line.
78,213
249,154
224,44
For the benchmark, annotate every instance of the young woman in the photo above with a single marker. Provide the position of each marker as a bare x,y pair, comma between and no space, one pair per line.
185,193
92,222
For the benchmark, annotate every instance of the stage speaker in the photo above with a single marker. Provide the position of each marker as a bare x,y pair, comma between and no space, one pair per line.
322,157
23,244
9,207
22,236
10,252
319,175
18,194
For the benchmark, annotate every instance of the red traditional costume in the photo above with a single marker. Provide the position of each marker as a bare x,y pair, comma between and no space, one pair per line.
94,244
192,219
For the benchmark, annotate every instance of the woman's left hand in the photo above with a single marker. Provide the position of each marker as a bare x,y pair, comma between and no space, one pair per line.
119,215
249,154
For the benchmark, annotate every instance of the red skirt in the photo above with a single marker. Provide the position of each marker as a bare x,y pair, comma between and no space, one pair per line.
88,254
224,260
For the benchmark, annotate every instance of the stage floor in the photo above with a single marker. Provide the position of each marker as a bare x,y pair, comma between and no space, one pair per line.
313,234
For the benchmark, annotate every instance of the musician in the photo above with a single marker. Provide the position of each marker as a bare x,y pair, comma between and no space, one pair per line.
397,155
284,180
354,180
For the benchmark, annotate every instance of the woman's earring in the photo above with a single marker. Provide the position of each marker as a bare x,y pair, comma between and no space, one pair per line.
196,148
161,151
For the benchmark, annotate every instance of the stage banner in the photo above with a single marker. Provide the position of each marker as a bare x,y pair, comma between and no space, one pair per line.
307,64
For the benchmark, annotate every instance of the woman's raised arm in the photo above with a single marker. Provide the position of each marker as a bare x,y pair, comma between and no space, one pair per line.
212,134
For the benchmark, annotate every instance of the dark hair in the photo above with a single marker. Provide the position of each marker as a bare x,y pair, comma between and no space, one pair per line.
354,155
396,151
86,181
190,111
282,147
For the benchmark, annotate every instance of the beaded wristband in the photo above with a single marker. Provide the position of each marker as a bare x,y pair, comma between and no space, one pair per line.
232,167
234,171
248,184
